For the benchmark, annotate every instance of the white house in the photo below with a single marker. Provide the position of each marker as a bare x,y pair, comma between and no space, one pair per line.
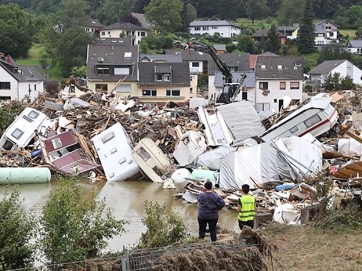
93,26
224,28
117,30
325,32
354,47
18,83
330,67
278,78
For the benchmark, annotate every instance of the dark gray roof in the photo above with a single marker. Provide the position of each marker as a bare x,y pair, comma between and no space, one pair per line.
249,81
268,53
279,67
220,47
354,44
241,61
319,29
142,20
326,66
111,56
124,26
212,23
22,73
180,73
190,55
160,58
114,41
283,28
264,33
94,23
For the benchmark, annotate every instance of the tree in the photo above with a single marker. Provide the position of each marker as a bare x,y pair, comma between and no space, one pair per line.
140,5
290,12
75,226
273,41
189,14
306,31
256,9
113,11
347,83
72,13
246,44
17,229
17,30
166,14
162,229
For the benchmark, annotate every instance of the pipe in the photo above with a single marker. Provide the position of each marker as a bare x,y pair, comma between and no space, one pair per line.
24,175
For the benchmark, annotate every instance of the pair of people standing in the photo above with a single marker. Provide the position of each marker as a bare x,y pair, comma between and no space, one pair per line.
210,203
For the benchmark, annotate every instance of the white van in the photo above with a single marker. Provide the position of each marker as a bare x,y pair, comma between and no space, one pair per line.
22,130
114,149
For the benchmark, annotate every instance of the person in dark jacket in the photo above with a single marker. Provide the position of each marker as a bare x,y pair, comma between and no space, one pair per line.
209,205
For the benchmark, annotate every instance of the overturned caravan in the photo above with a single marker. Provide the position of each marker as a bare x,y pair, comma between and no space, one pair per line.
270,163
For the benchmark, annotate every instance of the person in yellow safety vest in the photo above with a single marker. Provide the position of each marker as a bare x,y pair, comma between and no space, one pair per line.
246,208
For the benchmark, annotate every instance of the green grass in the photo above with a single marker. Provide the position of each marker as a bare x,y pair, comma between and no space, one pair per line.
34,56
351,33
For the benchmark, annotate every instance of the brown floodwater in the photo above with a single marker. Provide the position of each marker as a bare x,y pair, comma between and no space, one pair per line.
127,201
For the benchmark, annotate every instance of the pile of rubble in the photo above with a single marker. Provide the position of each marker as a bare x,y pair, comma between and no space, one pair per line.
105,137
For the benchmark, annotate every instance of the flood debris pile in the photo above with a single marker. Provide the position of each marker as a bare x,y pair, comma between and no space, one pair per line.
106,137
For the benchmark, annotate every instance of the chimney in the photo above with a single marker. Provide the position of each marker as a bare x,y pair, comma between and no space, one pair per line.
2,56
9,59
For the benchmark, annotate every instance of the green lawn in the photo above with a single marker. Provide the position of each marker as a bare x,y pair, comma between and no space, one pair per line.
34,56
351,33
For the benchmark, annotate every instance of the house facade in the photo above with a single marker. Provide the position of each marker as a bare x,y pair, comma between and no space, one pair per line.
163,82
224,28
290,31
117,30
325,32
19,82
354,47
113,68
277,78
94,27
263,34
330,67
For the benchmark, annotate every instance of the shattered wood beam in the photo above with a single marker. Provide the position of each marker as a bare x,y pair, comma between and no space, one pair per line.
354,136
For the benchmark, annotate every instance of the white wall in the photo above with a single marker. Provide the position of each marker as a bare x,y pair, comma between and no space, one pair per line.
276,93
224,31
212,89
348,69
13,91
115,33
196,70
24,89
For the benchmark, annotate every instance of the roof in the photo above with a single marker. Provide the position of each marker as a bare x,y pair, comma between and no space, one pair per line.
283,28
124,26
268,53
22,73
142,20
319,28
249,81
279,67
190,55
114,41
326,66
94,23
264,33
112,56
160,58
212,23
241,61
252,60
180,73
355,43
220,47
325,22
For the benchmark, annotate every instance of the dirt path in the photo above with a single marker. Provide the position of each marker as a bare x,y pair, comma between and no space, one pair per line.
308,248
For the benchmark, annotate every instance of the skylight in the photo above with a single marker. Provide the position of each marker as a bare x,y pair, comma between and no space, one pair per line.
128,54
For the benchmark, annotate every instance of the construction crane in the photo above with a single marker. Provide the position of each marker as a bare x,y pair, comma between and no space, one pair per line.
230,90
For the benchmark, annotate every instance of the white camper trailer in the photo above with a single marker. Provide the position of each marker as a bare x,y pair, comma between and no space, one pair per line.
22,130
316,117
114,150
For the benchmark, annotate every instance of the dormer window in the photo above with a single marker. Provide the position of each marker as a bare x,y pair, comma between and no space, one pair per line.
159,77
128,54
280,67
167,77
262,67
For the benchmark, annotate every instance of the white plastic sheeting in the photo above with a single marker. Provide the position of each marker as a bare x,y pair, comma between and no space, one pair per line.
212,159
286,160
349,145
242,120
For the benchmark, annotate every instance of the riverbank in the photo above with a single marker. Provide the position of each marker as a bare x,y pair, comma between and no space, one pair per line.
310,248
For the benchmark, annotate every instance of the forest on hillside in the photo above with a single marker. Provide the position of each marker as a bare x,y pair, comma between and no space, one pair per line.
344,12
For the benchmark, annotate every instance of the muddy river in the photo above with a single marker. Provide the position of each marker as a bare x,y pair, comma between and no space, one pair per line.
126,199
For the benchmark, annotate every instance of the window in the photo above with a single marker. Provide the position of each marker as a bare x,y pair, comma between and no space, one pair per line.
159,77
124,88
143,34
102,70
263,85
280,67
17,133
8,145
103,33
107,137
275,101
35,87
33,114
262,67
109,32
214,27
4,85
172,92
122,71
195,64
293,130
282,86
102,87
191,90
197,28
205,28
149,92
312,121
166,77
57,143
294,85
127,54
262,107
143,153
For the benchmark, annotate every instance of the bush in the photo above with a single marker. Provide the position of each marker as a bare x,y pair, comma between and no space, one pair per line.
16,231
162,229
75,226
